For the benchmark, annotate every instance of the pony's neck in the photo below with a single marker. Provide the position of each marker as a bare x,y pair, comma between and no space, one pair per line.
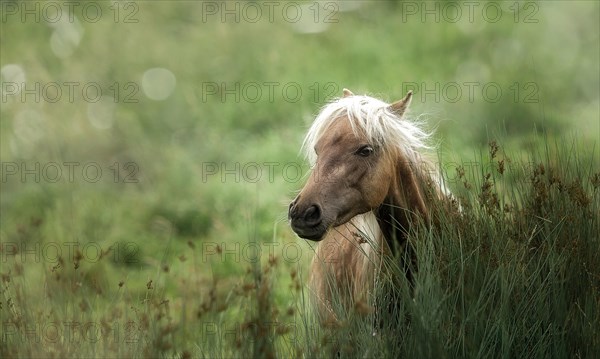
404,203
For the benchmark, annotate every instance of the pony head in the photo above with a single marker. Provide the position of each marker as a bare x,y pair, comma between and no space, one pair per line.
359,148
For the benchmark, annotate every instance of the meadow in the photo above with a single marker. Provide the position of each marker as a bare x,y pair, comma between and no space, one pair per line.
149,150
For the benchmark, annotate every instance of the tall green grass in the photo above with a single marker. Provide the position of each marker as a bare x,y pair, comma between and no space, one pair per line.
515,273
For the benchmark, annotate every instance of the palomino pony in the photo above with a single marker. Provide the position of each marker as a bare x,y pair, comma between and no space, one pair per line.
369,182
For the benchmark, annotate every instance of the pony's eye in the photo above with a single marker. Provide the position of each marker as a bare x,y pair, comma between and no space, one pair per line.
365,151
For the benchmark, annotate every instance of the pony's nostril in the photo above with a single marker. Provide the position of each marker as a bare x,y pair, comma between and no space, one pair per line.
312,215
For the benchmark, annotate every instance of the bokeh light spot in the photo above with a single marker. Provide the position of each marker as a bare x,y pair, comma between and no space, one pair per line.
66,37
307,20
158,83
12,76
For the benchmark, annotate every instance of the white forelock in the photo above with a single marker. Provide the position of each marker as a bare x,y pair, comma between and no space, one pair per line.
374,119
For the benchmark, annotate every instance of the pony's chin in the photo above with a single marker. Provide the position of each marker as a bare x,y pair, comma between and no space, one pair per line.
312,233
315,235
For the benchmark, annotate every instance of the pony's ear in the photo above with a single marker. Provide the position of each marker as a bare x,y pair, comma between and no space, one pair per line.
399,107
347,93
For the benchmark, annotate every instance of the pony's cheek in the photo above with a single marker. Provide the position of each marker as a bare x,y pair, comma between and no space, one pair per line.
375,191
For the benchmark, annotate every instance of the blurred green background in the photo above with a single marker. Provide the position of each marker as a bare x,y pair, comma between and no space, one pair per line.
194,112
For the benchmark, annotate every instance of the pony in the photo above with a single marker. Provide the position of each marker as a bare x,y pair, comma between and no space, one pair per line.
370,181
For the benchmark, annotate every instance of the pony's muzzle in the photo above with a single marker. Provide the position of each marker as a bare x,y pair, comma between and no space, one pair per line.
306,222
